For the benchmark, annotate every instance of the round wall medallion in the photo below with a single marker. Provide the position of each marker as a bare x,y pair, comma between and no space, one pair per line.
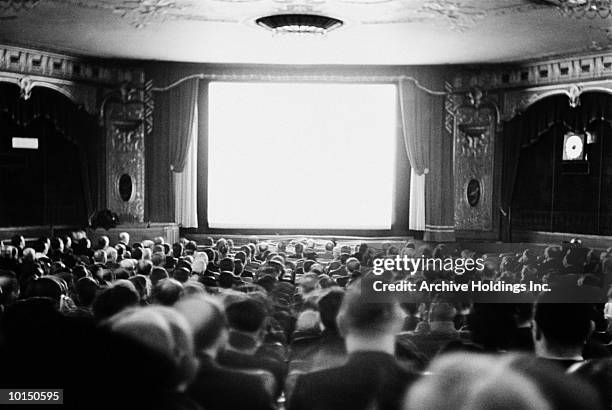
125,187
472,192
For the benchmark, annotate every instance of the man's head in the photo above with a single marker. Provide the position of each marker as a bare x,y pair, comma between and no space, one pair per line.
124,238
167,291
207,319
226,265
366,320
100,257
560,329
353,266
103,242
165,331
442,312
299,249
246,316
329,306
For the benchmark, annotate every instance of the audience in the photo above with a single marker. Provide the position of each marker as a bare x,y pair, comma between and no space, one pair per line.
287,324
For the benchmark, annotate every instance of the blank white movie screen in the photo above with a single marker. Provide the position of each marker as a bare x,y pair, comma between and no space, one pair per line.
301,155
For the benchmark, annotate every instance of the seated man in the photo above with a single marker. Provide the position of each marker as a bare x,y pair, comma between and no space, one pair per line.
429,337
217,387
326,350
247,320
560,330
371,377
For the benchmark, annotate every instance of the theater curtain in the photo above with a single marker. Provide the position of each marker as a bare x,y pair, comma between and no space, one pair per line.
526,129
415,118
72,122
186,183
180,121
167,149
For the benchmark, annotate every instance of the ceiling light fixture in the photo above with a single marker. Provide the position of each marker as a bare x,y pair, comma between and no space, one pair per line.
590,9
291,23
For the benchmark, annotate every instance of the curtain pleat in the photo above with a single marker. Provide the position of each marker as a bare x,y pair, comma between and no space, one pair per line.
180,121
415,118
186,183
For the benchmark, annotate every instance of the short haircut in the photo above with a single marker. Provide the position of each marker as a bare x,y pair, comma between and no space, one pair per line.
329,306
86,289
353,265
226,265
206,317
246,316
158,273
563,324
358,314
167,291
114,299
181,274
177,250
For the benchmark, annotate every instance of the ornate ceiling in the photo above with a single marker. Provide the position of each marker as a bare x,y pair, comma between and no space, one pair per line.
376,31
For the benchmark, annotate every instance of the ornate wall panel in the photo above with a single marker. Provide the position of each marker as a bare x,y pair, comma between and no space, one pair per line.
512,88
474,130
113,92
124,122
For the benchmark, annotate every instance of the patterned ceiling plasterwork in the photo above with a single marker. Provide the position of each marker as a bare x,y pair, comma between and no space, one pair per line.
458,15
10,9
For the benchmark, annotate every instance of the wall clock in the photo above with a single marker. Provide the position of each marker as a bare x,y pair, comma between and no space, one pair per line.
573,147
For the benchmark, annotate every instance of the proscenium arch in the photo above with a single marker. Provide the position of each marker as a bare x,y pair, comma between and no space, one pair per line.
37,82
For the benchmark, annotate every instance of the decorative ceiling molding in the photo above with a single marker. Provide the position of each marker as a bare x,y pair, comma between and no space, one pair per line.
10,9
458,15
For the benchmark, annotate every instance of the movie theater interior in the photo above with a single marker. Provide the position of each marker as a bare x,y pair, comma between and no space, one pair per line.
306,204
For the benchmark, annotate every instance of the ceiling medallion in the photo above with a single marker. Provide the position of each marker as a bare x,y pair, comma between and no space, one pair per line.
299,23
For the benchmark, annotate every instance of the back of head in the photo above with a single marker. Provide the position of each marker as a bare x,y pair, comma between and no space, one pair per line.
86,289
165,331
361,316
246,316
124,237
226,265
329,306
103,242
206,318
442,312
167,291
100,256
158,259
562,324
114,299
181,274
475,382
158,273
353,265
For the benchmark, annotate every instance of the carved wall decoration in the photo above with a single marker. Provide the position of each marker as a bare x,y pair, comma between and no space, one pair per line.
123,115
475,127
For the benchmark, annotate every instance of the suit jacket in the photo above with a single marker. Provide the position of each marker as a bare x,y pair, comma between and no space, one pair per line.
217,387
368,380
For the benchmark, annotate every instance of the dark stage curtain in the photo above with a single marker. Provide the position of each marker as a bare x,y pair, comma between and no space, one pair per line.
182,106
527,128
166,150
50,115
